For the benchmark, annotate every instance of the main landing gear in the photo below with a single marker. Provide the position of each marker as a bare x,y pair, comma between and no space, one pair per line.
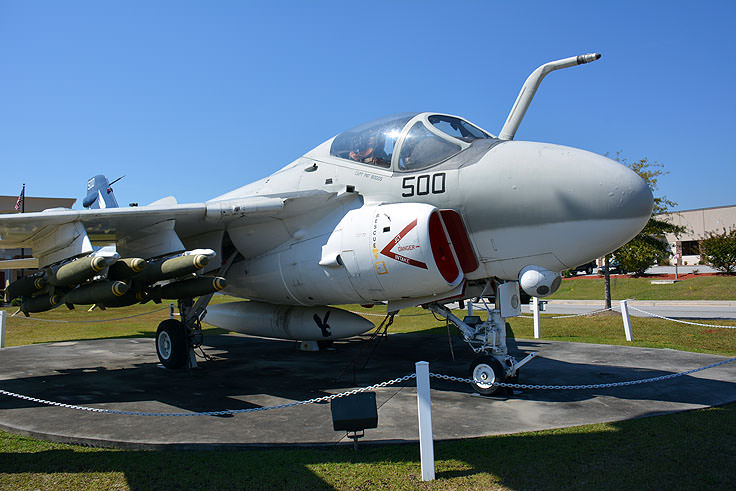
171,343
487,339
176,339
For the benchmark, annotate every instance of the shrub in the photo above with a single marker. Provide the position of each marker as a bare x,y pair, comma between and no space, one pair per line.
720,250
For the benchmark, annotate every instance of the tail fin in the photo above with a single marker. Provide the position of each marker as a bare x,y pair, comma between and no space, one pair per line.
99,193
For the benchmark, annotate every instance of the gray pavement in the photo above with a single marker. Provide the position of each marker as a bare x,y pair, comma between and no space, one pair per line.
250,372
697,268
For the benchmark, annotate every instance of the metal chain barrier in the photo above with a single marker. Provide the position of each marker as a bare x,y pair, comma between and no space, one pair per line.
680,321
211,413
387,383
585,387
567,316
88,321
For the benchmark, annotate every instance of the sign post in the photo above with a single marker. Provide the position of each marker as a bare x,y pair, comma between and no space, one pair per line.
2,328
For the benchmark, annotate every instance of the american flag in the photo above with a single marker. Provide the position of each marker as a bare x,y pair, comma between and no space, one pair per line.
21,199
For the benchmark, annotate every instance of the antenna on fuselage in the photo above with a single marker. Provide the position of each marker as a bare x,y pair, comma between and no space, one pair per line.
530,88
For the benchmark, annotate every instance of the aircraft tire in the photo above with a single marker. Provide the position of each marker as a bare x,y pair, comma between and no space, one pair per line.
171,344
485,370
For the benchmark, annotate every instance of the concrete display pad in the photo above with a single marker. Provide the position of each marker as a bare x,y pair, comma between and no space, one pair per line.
124,374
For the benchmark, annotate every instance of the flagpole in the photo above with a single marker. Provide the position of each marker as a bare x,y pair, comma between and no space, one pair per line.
23,210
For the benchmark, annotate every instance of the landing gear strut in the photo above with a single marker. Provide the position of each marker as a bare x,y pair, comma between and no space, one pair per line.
488,340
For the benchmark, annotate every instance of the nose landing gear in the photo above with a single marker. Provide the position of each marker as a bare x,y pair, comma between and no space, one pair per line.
487,339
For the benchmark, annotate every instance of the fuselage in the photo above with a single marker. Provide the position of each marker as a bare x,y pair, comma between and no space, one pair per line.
521,203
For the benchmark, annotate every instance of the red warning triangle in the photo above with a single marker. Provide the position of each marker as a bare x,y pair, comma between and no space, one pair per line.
388,250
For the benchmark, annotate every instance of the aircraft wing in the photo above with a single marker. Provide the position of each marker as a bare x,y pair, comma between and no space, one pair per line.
146,231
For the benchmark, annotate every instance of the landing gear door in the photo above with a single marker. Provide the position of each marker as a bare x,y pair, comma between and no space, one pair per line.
508,299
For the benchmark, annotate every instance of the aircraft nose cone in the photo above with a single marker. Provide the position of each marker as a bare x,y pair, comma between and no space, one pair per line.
547,183
627,194
616,204
565,202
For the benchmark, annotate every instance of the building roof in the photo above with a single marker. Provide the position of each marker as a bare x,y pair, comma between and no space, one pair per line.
700,209
34,203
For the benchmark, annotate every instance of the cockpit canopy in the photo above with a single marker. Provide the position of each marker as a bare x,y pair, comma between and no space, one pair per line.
406,142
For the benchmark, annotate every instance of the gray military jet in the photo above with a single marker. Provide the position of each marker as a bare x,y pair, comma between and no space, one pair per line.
411,209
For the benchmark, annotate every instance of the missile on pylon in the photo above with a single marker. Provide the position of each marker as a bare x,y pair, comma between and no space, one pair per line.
126,268
96,292
171,268
77,271
25,287
189,288
41,303
287,321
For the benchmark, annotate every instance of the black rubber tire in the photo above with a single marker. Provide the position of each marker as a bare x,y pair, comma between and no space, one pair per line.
487,366
171,344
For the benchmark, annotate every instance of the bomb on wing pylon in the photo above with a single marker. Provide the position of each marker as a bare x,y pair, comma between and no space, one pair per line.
126,268
171,268
76,271
97,292
41,303
25,287
189,288
129,298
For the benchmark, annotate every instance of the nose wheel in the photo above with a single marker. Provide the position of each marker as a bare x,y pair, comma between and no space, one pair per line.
485,371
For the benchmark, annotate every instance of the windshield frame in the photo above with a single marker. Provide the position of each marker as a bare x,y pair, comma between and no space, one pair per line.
424,119
414,118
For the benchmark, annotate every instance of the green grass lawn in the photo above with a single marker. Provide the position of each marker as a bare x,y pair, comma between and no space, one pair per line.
687,450
692,450
79,324
604,328
601,328
718,287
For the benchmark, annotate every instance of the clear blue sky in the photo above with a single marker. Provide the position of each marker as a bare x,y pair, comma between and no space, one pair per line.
193,99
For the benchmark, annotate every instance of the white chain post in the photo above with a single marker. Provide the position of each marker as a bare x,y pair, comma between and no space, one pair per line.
424,407
535,311
2,328
627,320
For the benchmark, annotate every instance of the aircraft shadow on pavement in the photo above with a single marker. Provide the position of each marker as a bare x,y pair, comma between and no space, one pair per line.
244,366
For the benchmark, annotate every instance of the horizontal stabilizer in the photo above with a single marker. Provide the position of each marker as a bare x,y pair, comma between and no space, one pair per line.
167,201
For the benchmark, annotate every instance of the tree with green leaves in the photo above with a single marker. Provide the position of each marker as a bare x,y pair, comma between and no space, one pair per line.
719,250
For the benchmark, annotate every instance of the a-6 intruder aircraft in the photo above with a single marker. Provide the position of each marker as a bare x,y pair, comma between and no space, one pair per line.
410,209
